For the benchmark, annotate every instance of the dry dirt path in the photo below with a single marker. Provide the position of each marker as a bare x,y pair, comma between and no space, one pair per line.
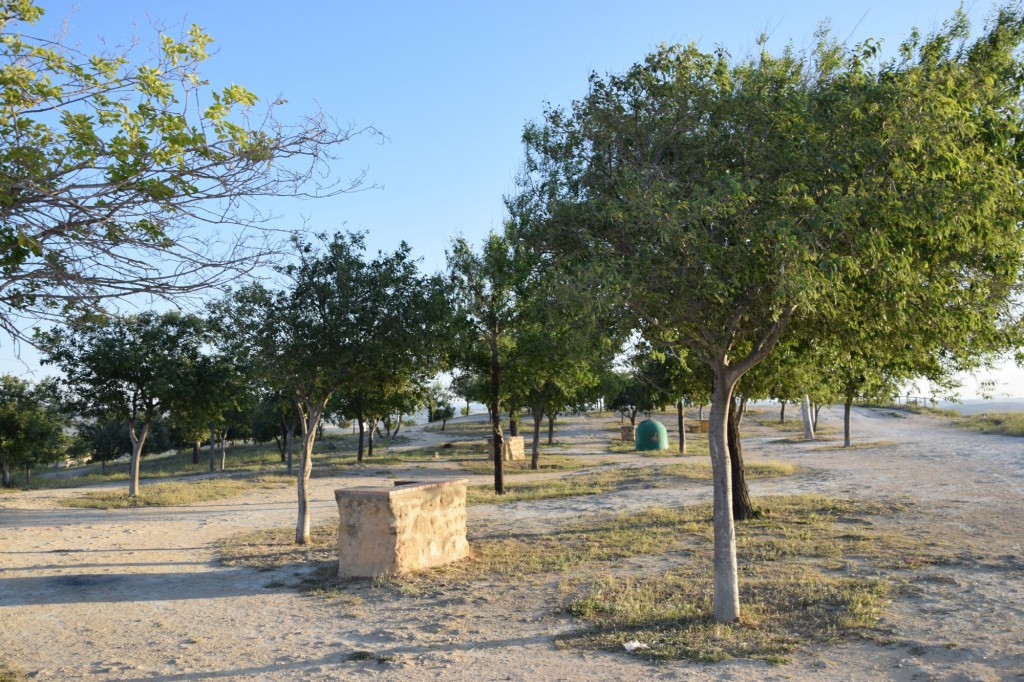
138,594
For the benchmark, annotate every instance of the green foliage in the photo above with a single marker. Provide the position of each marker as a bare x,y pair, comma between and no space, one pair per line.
31,430
110,167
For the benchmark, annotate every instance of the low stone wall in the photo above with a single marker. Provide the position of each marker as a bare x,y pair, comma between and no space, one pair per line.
396,530
512,447
698,426
628,433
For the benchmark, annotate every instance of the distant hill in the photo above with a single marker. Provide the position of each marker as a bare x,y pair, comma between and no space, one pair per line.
977,406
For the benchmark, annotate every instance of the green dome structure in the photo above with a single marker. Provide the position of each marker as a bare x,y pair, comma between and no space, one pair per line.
651,435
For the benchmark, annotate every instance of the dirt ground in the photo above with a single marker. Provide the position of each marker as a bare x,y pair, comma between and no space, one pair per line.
139,594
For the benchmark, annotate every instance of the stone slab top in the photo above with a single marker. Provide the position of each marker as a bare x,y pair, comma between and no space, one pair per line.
399,488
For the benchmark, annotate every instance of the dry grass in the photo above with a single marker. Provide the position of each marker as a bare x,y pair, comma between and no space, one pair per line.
813,570
1004,423
177,493
702,470
547,463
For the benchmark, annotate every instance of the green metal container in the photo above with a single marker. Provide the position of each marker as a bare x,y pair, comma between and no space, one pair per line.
651,435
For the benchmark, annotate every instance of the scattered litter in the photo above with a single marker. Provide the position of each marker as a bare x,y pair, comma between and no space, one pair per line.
634,645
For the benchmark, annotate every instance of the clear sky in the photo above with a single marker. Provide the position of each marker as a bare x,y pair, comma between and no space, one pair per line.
452,83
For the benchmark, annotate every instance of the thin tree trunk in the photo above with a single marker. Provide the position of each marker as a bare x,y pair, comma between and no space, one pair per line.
726,596
499,471
782,413
370,439
5,473
847,408
223,450
138,440
302,526
805,412
682,426
362,438
28,475
397,426
195,452
742,411
742,507
817,409
551,429
538,418
513,422
290,442
700,413
213,454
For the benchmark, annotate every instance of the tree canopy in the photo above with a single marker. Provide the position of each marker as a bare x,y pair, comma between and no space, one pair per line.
729,199
121,176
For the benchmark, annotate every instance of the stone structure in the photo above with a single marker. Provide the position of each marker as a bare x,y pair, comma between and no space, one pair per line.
627,432
406,528
698,426
512,447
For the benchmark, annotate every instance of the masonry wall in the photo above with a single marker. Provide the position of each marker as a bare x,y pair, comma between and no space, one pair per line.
402,529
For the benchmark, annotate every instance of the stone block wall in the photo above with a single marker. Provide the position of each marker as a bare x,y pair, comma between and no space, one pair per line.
627,432
397,530
512,447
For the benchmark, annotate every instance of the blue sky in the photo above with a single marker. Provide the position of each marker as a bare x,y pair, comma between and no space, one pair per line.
452,83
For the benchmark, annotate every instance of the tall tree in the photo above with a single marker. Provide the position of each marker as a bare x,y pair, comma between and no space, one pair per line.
486,287
121,176
126,368
729,199
30,426
343,321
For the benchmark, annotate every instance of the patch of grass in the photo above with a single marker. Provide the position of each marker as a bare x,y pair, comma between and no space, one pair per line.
568,486
934,411
177,493
812,570
11,673
275,547
791,593
547,463
1004,423
794,426
462,427
702,470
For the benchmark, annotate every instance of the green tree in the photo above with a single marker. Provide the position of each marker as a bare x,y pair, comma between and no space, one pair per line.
344,322
758,192
126,368
30,426
120,177
487,287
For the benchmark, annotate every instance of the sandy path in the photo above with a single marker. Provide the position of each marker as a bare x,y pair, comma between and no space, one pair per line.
138,594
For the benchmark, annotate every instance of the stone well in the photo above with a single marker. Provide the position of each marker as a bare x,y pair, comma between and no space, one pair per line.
627,432
409,527
512,447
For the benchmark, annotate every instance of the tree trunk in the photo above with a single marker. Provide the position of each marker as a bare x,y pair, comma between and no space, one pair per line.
138,440
847,408
290,440
5,473
742,411
551,429
444,423
499,470
817,409
742,507
302,526
28,475
369,438
782,413
362,438
223,449
682,426
195,452
726,597
213,454
805,412
513,422
398,426
700,413
538,418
